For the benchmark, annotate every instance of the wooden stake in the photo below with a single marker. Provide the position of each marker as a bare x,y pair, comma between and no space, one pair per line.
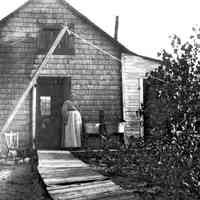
34,103
33,81
141,102
116,27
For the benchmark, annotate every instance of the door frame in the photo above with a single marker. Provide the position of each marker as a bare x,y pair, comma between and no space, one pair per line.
67,87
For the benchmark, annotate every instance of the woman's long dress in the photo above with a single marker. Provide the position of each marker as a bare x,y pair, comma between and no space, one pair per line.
72,133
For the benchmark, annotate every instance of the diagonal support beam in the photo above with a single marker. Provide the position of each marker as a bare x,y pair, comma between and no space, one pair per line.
31,84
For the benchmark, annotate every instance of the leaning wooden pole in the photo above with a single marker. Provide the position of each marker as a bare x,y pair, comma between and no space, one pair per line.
31,84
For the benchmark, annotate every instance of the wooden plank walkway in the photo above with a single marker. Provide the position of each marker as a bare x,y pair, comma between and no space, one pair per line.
68,178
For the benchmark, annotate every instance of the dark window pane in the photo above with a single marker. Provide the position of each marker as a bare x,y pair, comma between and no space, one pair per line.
45,105
48,36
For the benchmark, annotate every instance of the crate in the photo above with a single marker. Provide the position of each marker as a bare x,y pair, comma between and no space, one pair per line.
92,128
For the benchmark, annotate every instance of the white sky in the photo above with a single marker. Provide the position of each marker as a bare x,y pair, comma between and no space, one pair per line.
144,25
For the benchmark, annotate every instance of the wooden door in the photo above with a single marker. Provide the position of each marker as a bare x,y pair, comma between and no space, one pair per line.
50,97
132,90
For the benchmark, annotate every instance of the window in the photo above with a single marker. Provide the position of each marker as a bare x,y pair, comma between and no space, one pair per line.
47,37
45,105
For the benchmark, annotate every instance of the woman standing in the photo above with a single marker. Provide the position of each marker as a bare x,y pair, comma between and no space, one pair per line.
72,125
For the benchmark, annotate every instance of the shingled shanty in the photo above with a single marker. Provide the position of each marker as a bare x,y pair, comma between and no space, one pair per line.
95,78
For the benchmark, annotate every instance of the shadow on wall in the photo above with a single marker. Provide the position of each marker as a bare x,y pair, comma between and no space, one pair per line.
16,65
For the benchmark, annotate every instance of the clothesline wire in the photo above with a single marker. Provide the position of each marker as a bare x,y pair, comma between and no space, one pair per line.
98,48
105,52
93,45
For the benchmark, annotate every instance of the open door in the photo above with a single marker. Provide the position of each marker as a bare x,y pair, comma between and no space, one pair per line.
50,97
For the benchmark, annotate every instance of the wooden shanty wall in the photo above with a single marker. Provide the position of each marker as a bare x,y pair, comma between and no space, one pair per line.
96,78
134,69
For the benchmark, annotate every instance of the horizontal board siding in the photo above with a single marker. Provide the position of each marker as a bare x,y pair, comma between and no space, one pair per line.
96,78
134,68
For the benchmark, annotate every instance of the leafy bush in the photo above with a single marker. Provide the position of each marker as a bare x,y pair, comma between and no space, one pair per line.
176,83
169,169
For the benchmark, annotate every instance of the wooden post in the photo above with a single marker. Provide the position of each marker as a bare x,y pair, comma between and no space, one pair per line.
123,88
141,102
32,82
102,128
34,104
116,27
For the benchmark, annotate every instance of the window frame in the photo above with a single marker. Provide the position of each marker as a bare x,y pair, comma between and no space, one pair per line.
45,41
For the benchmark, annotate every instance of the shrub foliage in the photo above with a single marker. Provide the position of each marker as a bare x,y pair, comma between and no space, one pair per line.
177,83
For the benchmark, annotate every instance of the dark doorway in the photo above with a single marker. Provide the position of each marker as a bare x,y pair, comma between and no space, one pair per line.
51,93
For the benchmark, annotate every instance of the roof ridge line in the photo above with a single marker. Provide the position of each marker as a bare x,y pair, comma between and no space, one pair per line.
105,33
14,11
65,3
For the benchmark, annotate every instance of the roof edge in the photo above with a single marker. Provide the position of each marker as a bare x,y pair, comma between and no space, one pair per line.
121,46
96,26
147,57
16,10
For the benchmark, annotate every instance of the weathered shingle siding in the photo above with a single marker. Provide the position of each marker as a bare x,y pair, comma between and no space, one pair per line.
96,79
134,69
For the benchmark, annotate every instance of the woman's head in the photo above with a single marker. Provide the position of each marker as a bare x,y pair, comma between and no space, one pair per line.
71,97
69,105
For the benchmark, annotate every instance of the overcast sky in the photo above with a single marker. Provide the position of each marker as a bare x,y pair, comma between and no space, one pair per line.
144,25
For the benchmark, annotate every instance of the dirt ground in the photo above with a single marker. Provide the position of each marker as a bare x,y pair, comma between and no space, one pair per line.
20,182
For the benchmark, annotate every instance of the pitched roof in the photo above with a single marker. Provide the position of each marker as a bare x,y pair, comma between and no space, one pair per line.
87,20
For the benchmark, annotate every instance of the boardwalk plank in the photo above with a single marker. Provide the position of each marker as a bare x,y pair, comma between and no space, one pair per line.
68,172
74,186
87,192
61,165
67,175
105,196
68,178
84,187
71,175
54,181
